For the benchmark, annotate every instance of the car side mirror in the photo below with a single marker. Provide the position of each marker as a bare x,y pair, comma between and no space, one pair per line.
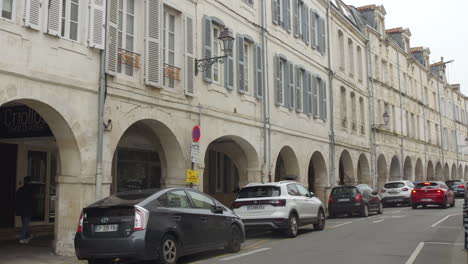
374,193
311,194
217,209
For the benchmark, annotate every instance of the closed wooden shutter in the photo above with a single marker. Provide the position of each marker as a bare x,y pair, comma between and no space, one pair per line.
324,100
207,46
54,24
112,35
154,62
298,92
278,84
229,70
33,14
97,22
313,29
189,55
258,71
315,88
296,18
291,88
240,64
275,11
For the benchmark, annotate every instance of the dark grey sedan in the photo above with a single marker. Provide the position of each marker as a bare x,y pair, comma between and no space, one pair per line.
156,224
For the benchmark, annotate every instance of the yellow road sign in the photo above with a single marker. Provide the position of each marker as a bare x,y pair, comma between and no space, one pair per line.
192,176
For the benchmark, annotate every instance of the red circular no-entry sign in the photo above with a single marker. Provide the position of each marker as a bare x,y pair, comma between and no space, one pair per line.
196,133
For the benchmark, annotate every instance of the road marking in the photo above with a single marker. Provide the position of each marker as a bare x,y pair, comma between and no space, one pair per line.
255,244
443,219
415,253
395,212
454,227
345,223
378,221
445,243
244,254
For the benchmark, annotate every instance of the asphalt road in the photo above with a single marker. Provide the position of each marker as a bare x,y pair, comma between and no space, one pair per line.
400,235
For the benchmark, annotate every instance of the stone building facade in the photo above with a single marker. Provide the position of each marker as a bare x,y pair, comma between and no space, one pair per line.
302,95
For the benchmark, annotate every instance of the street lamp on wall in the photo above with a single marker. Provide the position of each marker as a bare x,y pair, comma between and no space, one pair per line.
386,119
227,38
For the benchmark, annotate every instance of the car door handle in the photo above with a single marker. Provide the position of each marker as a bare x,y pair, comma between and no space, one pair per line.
177,218
203,218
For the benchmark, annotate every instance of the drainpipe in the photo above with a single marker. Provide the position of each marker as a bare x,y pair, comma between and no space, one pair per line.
330,89
370,90
266,97
401,118
101,100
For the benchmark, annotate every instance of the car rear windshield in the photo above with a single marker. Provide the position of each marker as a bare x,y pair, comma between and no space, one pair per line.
427,185
259,191
394,185
352,191
128,198
453,182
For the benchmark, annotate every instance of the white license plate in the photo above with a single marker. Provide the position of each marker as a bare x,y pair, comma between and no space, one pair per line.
256,207
394,192
426,200
344,200
106,228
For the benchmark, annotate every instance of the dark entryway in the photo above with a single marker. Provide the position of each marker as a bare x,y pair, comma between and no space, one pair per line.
8,155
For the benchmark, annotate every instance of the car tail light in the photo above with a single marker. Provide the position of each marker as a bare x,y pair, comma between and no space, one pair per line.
79,229
358,197
383,190
439,191
330,199
141,218
405,189
414,191
461,186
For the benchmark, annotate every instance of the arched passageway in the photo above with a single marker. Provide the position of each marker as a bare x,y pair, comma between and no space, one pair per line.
419,171
346,170
227,163
454,175
395,170
466,173
430,172
381,171
408,169
460,172
287,165
363,171
317,175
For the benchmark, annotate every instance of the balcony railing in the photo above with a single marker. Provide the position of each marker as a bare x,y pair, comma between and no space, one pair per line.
128,57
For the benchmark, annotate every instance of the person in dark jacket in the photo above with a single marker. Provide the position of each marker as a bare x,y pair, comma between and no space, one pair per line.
24,208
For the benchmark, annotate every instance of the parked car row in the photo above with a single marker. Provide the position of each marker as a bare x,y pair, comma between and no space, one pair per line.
165,224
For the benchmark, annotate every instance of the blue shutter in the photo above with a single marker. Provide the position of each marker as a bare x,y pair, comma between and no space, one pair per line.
258,71
278,84
240,64
207,44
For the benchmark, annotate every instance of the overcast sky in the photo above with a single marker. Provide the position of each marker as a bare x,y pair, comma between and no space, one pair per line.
441,26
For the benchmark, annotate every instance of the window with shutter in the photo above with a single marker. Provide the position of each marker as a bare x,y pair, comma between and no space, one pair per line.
287,15
275,11
344,112
241,76
324,101
111,42
323,34
279,65
207,43
6,8
300,77
258,71
316,104
322,98
172,42
125,35
313,29
296,25
153,39
54,22
33,16
305,93
190,55
96,25
291,89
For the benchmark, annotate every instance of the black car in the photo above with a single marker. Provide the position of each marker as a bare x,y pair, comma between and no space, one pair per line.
156,224
350,199
457,186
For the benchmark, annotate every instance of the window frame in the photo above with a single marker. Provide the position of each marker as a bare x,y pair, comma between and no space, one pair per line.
122,68
189,194
13,8
190,203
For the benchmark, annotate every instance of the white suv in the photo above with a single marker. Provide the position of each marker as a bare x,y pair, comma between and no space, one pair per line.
284,205
397,192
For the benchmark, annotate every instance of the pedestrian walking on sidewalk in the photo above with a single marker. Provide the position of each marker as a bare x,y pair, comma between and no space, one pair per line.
24,208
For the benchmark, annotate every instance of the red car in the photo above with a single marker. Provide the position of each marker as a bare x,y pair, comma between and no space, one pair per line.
432,193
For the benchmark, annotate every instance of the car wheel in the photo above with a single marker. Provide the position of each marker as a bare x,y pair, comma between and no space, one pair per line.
292,229
234,243
168,250
365,211
414,206
380,211
320,225
444,204
453,203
